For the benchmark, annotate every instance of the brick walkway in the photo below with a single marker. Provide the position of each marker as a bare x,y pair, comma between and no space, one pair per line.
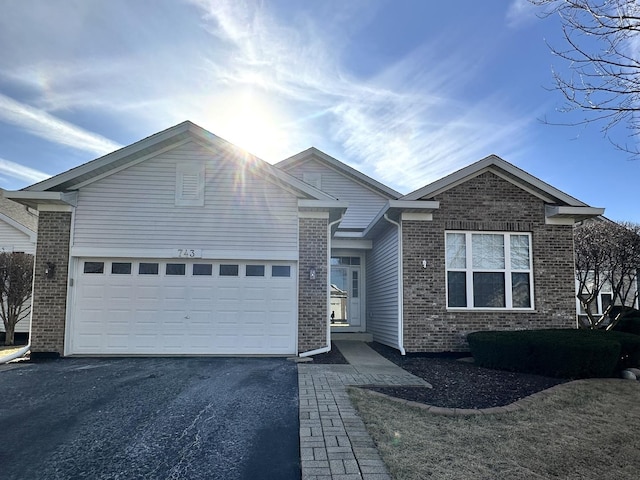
334,443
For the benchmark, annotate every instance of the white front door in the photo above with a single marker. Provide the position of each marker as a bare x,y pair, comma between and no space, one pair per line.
346,293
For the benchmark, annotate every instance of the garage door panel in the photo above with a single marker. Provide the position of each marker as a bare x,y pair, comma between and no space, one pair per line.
132,313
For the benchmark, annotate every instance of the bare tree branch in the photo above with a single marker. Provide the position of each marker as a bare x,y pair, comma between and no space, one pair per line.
602,53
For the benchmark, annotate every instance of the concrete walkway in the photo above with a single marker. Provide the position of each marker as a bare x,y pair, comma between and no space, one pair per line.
334,443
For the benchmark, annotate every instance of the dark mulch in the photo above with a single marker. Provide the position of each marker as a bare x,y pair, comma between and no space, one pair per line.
458,384
332,357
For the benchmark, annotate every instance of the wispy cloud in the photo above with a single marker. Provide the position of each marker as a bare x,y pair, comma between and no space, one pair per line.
20,172
44,125
406,118
519,13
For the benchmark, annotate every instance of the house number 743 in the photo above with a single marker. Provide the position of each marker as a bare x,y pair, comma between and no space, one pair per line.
189,253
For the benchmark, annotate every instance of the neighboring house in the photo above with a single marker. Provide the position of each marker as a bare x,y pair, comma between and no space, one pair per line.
184,244
18,226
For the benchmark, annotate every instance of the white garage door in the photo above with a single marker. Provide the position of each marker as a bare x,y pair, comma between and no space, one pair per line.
178,307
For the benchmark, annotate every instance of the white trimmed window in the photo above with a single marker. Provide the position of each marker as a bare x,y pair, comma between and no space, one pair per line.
489,270
190,184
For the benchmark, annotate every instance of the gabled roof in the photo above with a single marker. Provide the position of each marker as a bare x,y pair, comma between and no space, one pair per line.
155,144
18,216
343,168
504,169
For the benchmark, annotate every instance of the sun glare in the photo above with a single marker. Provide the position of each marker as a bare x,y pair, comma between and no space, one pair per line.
254,126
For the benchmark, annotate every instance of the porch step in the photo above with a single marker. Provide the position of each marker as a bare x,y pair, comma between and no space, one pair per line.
358,337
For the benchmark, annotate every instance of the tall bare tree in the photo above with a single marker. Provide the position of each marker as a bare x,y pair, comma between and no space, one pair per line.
16,279
607,254
602,52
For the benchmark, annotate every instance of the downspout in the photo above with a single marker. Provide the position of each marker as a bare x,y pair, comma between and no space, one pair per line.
17,354
326,348
400,287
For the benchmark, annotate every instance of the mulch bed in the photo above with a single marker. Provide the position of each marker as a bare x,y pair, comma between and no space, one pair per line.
332,357
458,384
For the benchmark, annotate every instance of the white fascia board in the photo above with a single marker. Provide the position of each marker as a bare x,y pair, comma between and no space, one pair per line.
340,167
559,214
104,161
35,200
168,253
494,163
351,243
335,208
399,206
18,226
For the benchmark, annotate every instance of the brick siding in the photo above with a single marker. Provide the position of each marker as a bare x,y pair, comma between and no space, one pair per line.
487,203
50,294
312,296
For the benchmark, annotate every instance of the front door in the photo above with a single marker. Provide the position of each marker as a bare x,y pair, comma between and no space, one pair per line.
346,292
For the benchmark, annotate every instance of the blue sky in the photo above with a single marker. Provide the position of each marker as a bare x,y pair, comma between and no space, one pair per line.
405,91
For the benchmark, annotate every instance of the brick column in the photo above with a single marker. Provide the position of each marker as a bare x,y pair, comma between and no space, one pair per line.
50,292
312,294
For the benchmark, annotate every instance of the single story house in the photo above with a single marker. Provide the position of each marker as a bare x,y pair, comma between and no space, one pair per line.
18,226
183,244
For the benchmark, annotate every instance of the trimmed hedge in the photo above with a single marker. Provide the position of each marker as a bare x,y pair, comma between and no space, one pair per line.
628,325
556,353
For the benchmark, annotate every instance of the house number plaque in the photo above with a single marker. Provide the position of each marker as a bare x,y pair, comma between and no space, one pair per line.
189,253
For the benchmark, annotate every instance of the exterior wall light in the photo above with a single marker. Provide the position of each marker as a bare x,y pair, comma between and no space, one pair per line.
50,270
312,273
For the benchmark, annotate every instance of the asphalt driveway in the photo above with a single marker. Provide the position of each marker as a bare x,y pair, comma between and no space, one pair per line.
150,418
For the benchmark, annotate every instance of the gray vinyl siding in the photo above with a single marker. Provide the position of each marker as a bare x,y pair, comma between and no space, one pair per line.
12,237
135,208
364,203
382,288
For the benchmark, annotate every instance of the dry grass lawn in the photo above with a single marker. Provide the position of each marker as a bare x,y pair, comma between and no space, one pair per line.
587,430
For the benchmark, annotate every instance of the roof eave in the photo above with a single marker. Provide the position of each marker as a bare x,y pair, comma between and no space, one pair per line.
393,209
569,214
36,199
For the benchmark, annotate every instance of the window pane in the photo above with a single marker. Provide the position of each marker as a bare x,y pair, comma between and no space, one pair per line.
202,269
255,270
280,271
456,250
354,285
228,270
488,289
456,289
355,260
148,269
121,268
488,251
93,267
175,269
605,300
519,252
520,290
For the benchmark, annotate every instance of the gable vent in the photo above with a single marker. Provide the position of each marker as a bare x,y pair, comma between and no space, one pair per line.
190,184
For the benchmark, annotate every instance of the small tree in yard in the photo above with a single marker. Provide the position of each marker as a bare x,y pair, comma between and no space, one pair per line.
16,278
607,254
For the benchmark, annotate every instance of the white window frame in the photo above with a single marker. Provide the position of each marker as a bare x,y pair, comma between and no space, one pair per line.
507,270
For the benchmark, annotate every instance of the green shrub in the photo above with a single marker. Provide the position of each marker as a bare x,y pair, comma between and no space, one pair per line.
628,325
556,353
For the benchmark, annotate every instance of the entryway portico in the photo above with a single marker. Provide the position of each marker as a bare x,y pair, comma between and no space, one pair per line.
347,304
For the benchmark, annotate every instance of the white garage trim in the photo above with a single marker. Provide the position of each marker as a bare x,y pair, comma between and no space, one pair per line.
182,307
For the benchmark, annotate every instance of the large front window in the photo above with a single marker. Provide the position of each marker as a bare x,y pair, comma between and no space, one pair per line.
489,270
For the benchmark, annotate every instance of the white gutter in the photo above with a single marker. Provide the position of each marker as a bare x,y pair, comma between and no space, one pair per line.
400,284
15,355
328,347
